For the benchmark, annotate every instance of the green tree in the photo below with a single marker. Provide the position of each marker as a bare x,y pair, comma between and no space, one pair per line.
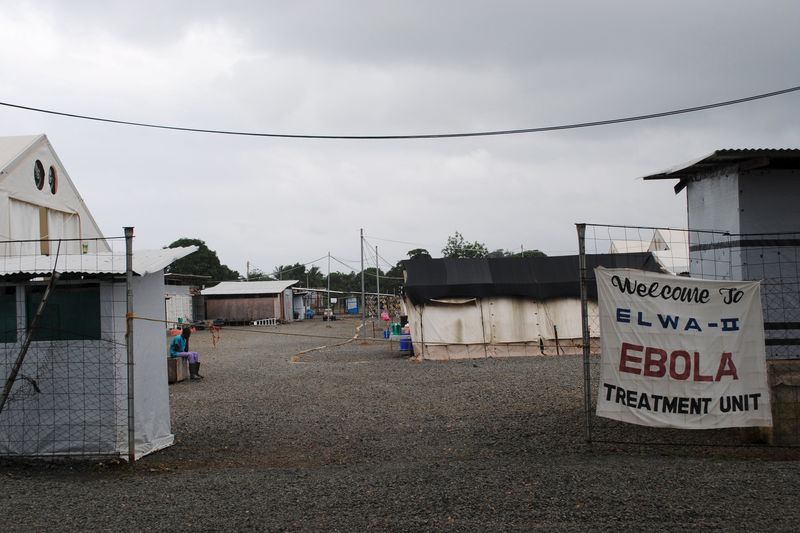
256,274
314,278
529,253
458,247
345,282
393,280
203,262
500,252
295,271
417,252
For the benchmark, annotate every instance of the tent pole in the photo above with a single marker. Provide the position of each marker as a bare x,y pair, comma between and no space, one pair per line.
129,340
377,283
329,280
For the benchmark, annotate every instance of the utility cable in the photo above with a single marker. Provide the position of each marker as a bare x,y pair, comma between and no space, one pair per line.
345,264
395,241
577,125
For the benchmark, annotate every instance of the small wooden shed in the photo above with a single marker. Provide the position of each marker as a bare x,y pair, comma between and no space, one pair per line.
240,302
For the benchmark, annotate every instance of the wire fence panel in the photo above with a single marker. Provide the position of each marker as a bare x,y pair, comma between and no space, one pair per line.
387,302
69,396
773,259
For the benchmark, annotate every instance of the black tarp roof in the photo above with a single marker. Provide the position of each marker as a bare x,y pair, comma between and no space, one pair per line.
540,278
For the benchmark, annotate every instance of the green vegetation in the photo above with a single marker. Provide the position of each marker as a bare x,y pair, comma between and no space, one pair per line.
206,263
203,262
458,247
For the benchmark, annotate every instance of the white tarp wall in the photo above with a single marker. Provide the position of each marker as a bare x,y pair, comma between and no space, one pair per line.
469,328
81,405
73,407
179,303
299,306
151,410
288,304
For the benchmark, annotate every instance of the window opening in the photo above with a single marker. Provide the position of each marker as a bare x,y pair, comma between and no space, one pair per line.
8,314
72,312
53,179
38,174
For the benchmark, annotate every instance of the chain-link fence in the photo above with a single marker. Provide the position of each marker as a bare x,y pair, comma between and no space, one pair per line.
63,355
773,259
390,303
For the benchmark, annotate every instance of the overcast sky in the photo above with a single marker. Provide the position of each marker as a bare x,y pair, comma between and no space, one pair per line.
377,68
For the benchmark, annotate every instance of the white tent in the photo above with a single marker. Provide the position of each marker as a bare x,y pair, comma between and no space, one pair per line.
70,396
669,247
39,201
469,328
502,307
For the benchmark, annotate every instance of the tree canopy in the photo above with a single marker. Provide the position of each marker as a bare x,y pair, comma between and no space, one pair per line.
457,246
308,277
418,252
522,253
203,262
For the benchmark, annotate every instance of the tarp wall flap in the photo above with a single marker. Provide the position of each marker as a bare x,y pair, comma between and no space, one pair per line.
487,327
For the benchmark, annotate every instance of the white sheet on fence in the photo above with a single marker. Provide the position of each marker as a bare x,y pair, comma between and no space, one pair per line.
493,321
78,405
693,364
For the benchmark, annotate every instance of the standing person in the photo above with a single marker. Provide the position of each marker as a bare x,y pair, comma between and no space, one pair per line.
179,347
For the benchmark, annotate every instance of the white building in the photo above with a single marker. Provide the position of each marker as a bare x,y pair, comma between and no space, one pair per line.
70,396
744,224
38,201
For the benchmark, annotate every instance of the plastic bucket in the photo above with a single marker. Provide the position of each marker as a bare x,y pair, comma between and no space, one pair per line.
405,345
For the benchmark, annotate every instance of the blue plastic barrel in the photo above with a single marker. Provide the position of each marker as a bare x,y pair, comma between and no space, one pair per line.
405,344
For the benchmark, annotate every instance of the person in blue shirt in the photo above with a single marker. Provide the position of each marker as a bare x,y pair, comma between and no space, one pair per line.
179,347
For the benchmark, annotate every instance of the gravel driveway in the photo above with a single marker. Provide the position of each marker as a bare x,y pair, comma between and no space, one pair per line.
357,437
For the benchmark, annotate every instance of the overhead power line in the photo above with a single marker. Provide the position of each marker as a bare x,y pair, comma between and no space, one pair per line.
345,264
301,265
415,136
395,241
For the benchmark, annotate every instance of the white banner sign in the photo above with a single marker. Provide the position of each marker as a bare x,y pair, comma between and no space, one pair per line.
681,352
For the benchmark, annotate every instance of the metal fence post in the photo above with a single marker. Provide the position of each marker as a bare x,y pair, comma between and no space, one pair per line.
587,385
129,341
363,292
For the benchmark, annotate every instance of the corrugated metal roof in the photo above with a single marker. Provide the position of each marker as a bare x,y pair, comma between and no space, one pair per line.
752,157
144,262
227,288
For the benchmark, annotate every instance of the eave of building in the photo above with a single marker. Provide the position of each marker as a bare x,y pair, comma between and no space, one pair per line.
743,159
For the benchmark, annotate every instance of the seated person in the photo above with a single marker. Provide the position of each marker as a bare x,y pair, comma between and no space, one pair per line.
179,347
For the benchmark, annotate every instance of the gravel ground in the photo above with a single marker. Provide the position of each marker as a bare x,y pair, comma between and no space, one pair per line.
357,437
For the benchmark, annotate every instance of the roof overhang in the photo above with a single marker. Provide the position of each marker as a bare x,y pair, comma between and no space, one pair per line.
239,288
743,159
144,262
